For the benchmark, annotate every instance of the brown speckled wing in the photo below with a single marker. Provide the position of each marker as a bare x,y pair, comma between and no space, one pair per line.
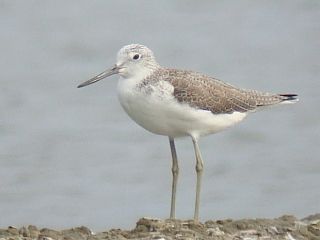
210,94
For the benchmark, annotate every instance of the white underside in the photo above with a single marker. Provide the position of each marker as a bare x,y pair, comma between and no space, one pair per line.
160,113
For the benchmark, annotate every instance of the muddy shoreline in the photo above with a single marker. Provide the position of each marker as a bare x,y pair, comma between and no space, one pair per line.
285,227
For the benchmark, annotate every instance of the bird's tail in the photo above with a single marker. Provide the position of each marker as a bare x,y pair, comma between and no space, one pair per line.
288,98
266,99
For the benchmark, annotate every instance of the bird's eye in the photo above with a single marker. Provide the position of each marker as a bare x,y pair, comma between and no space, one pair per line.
136,57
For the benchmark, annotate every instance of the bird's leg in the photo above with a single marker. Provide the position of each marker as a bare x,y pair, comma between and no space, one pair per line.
175,172
199,170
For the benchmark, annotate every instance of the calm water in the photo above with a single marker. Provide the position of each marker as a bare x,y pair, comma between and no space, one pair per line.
72,157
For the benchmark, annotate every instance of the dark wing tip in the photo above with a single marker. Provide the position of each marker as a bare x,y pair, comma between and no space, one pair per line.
289,97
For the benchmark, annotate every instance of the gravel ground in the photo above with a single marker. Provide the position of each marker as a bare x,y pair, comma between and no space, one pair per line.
286,227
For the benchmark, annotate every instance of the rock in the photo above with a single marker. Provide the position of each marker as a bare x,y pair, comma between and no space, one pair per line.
286,227
49,234
314,228
13,231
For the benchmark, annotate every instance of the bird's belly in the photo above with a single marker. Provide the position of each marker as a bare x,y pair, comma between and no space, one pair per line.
166,116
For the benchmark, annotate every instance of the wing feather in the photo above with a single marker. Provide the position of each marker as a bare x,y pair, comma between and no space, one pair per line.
207,93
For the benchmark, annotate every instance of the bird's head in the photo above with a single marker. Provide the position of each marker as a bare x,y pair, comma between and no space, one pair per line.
133,60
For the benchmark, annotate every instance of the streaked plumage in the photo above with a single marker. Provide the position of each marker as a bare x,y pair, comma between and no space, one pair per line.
207,93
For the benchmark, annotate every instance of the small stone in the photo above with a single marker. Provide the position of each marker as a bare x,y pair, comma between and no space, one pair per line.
149,224
288,218
33,230
222,222
13,230
273,230
314,228
42,237
215,231
49,233
24,232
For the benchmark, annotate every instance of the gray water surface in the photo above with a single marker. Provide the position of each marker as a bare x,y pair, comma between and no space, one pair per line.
71,157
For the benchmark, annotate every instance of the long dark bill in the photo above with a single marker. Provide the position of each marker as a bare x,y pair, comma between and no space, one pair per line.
100,76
